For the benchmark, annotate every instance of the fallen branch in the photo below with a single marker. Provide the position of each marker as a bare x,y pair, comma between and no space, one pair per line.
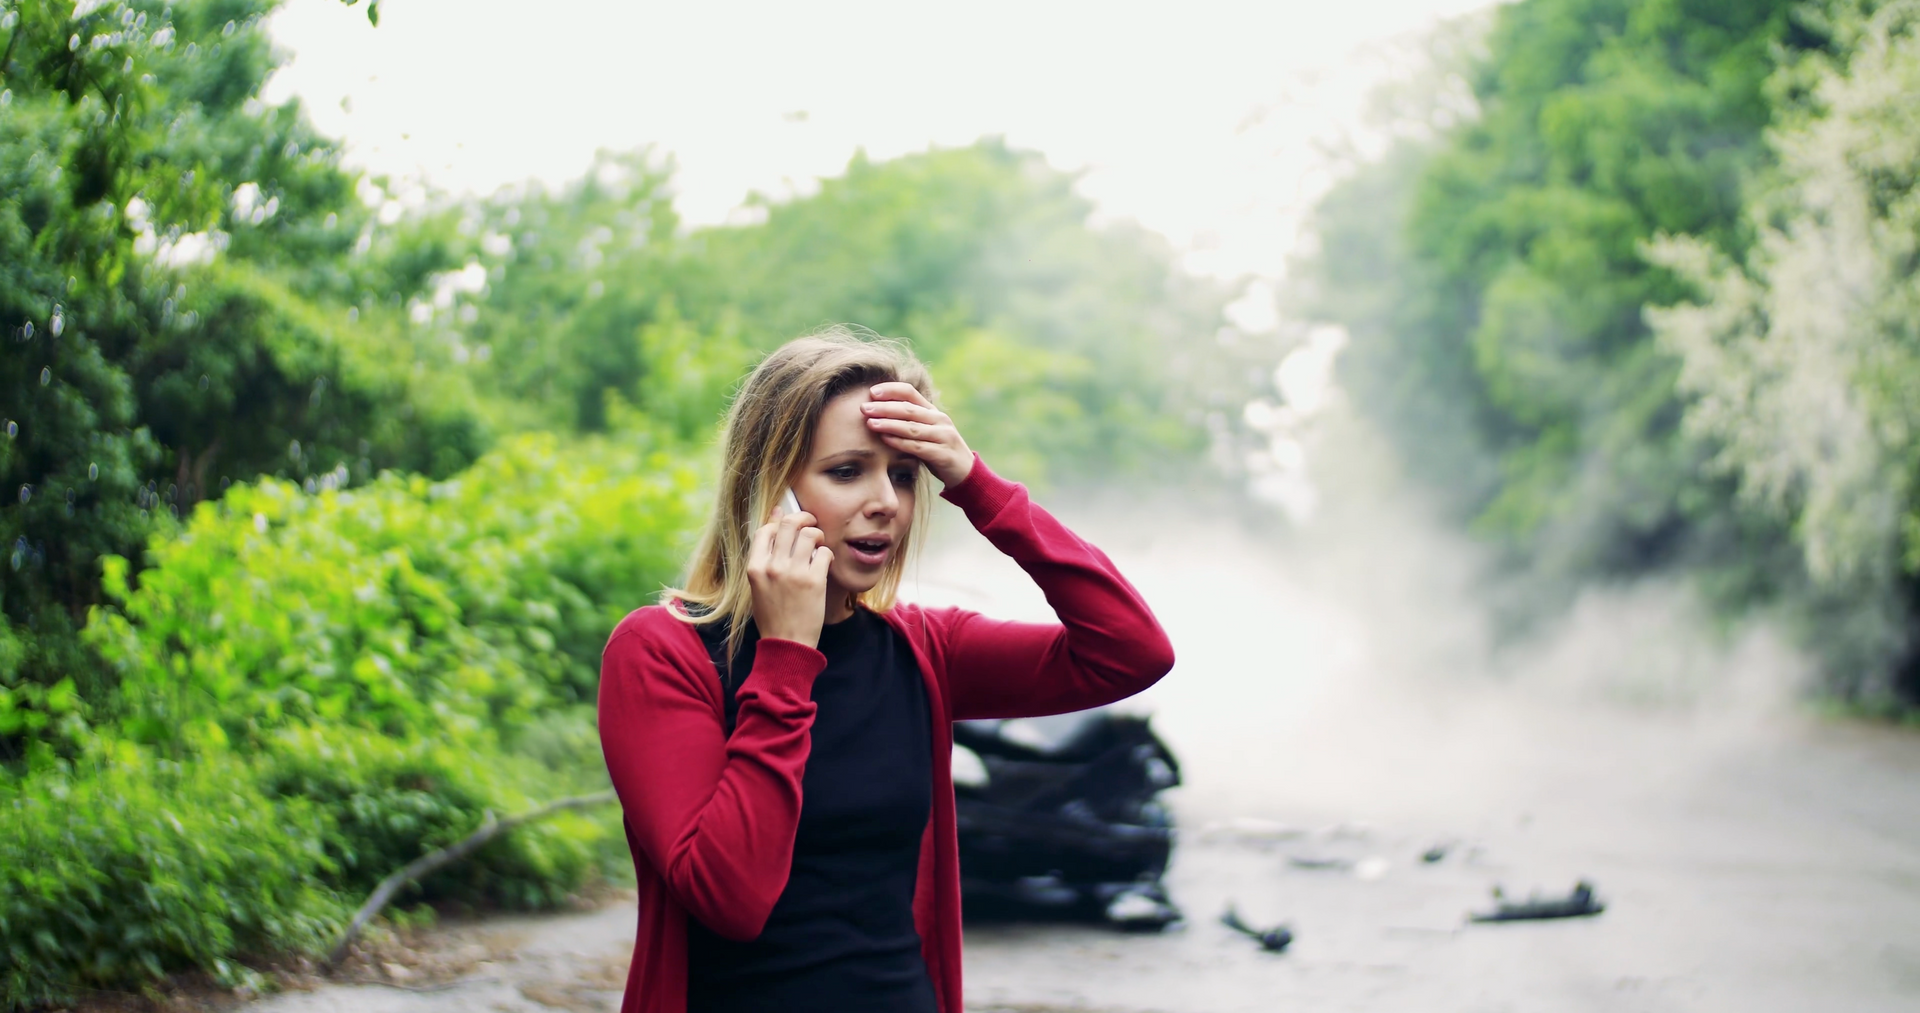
489,829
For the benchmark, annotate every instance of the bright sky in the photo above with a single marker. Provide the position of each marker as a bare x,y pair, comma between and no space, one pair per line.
1206,121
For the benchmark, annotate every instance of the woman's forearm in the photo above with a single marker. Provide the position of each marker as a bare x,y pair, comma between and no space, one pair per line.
1108,645
715,815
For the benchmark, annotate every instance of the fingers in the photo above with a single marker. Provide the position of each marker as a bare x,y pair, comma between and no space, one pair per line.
794,537
782,546
903,410
806,542
908,425
907,429
918,448
904,418
896,390
779,542
760,551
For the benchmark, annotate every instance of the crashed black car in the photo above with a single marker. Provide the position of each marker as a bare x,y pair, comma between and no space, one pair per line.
1059,817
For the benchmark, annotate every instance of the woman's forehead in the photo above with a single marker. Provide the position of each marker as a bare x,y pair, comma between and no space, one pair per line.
842,431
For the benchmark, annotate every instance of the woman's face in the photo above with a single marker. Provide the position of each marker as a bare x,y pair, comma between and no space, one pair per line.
860,492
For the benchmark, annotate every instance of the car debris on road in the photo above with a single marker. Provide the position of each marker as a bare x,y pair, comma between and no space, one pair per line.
1579,903
1060,817
1273,940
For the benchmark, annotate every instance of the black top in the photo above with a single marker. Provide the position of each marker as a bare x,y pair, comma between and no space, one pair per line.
841,937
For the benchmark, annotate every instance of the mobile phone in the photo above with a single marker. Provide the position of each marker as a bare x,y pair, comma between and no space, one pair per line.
789,503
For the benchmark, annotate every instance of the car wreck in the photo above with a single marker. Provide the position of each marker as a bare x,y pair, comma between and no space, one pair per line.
1060,817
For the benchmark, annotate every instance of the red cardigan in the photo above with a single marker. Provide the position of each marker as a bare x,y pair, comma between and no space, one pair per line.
711,819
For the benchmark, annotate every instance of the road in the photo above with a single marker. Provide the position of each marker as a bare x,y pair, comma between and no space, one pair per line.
1339,700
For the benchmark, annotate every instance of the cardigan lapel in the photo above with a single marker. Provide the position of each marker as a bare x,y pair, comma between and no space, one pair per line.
936,906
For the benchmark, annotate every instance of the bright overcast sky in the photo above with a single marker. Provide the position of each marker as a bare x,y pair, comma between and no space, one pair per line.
1198,119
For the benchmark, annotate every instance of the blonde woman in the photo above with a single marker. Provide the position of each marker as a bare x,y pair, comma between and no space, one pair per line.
780,730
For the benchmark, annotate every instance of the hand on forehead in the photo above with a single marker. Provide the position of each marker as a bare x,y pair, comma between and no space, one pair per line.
843,427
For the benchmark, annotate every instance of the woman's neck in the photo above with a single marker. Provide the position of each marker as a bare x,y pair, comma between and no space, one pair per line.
839,604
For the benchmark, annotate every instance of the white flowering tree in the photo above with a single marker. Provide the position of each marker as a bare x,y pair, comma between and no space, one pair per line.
1803,362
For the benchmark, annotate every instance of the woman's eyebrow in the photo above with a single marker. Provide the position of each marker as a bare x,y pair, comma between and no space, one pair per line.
858,452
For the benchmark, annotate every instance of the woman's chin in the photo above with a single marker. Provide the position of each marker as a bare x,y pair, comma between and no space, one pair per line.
861,580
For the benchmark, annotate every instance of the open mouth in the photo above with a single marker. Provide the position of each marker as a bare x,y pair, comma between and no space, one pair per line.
871,551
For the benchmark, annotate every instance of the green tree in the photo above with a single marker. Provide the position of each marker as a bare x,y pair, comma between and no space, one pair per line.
576,277
1802,362
594,300
1492,279
192,294
943,246
1603,122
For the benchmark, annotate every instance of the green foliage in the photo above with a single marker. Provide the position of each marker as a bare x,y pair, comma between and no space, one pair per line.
1503,345
384,802
592,296
1399,365
287,601
356,676
1603,122
129,866
1498,281
181,272
406,607
116,873
942,246
576,278
1025,407
1802,361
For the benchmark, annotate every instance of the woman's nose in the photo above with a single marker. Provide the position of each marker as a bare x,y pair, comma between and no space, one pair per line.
886,500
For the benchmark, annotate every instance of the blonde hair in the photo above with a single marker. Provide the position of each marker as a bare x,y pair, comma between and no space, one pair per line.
767,440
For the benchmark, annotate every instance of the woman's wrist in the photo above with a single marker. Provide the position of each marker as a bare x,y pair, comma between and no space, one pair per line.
778,660
982,494
957,474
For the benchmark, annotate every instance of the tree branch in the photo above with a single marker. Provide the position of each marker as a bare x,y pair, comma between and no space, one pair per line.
488,830
13,38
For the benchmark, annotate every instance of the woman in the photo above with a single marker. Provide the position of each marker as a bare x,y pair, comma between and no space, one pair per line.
779,731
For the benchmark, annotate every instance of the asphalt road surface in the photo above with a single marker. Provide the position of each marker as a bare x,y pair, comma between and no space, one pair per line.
1342,709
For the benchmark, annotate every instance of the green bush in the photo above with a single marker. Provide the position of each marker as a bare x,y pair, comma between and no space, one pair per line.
115,874
315,689
385,803
408,607
131,867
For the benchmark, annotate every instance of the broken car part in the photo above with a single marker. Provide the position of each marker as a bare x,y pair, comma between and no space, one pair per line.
1060,817
1273,940
1577,904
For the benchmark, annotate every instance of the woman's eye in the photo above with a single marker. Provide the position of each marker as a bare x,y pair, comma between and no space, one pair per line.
904,476
845,473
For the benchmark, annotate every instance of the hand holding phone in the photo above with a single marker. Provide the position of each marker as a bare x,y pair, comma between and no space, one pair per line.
787,568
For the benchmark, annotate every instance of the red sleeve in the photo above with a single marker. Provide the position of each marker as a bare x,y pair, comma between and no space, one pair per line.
1106,647
715,816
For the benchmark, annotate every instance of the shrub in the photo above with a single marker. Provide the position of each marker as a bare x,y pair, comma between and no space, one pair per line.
314,689
386,803
116,874
409,607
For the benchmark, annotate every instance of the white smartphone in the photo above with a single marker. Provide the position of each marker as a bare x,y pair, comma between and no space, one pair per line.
789,503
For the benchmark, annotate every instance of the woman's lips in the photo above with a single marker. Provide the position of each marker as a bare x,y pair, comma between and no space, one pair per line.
869,551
